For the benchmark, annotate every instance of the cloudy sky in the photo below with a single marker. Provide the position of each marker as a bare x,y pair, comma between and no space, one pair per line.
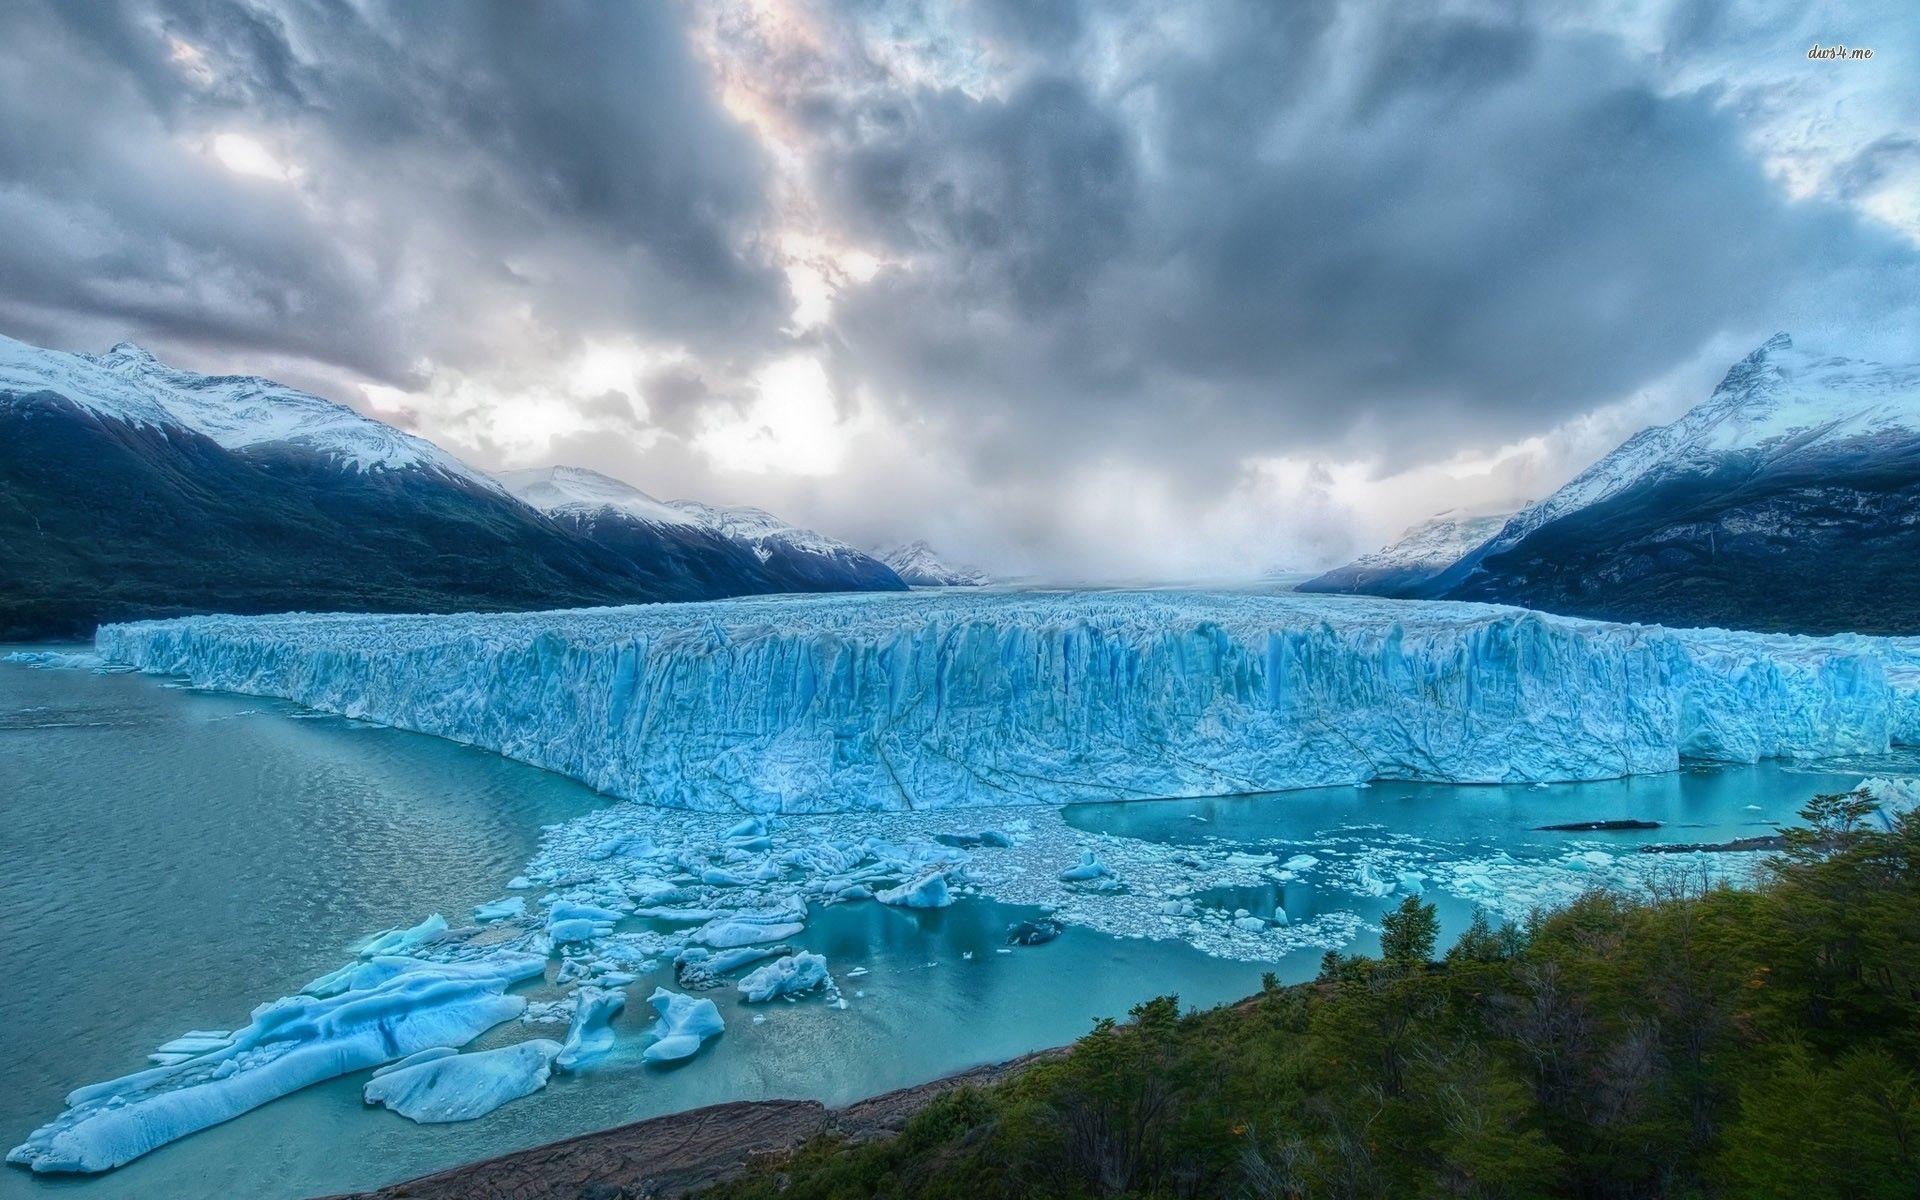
1086,289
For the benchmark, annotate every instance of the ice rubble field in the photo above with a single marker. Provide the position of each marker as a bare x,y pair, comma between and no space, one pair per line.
916,717
832,703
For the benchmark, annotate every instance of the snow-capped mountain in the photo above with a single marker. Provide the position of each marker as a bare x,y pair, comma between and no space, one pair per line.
1789,499
786,557
916,563
129,488
1421,553
237,412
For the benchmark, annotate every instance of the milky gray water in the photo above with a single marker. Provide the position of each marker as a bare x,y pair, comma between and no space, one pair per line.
173,858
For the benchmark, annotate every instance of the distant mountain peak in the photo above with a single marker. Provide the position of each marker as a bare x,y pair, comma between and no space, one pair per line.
918,564
1417,556
129,350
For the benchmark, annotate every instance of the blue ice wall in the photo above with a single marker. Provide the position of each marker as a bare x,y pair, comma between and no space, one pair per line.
933,700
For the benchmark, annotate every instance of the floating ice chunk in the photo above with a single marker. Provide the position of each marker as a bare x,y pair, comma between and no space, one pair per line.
590,1036
752,827
928,891
198,1041
290,1044
731,960
1033,933
414,1060
460,1087
670,913
1300,862
744,928
500,910
577,930
1089,869
1413,883
1250,924
400,941
1369,883
573,910
55,660
570,922
685,1022
1240,858
794,975
728,932
1895,797
359,976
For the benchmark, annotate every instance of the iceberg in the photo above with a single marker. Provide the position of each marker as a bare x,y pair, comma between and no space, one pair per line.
939,700
405,1006
685,1022
500,910
1087,870
590,1036
792,976
435,1088
400,941
929,891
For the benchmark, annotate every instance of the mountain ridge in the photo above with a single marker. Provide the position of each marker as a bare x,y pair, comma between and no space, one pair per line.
130,489
1788,500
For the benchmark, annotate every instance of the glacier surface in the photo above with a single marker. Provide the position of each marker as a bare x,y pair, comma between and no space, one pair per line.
940,700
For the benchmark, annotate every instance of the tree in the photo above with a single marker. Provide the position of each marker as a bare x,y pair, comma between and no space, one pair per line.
1408,933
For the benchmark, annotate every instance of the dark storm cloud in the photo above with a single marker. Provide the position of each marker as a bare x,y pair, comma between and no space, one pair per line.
1295,222
459,162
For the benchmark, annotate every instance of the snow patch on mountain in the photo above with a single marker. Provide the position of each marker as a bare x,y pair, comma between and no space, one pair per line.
761,531
240,412
577,491
917,563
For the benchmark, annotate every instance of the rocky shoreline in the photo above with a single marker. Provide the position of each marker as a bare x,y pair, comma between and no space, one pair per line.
682,1153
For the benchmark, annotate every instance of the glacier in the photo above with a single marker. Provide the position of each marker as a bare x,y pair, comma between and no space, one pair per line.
943,700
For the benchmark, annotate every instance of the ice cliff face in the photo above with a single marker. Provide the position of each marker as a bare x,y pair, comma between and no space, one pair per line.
953,699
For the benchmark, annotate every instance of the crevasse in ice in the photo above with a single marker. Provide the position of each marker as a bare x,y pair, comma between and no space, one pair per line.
883,702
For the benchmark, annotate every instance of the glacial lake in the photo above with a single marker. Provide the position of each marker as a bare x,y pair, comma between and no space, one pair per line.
174,858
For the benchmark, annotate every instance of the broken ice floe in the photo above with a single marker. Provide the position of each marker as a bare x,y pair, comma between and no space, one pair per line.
618,894
685,1022
437,1086
404,1007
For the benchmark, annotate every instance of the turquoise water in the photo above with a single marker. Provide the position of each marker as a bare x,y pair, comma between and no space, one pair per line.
174,858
